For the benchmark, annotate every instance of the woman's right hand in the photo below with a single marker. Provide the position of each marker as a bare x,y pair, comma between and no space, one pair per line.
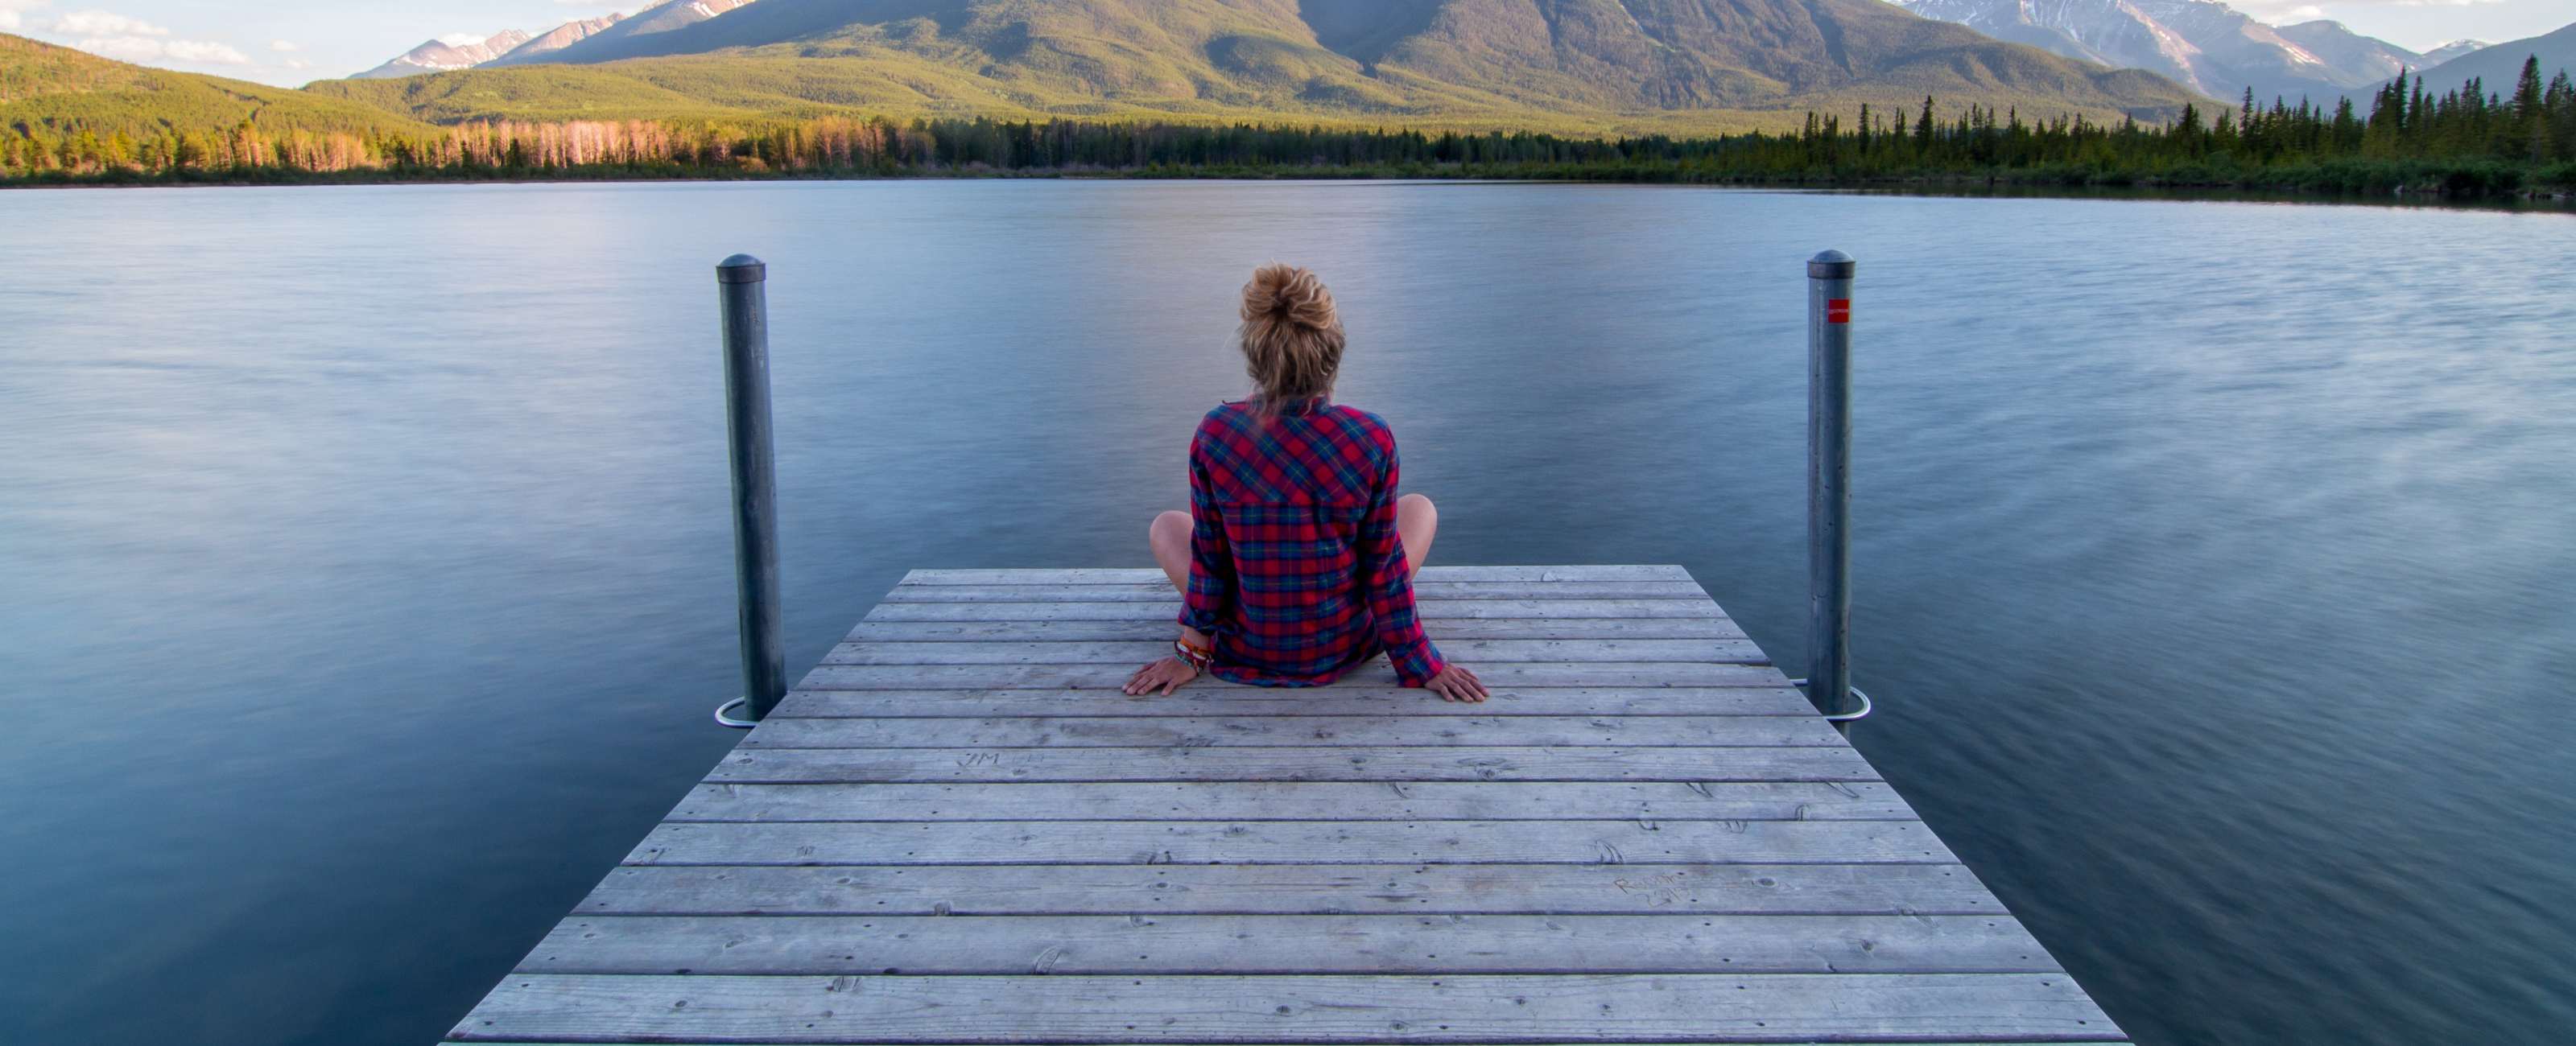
1456,683
1166,675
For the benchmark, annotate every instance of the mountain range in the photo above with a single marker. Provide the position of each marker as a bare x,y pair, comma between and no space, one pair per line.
2203,45
1582,66
448,53
2454,49
2209,47
512,47
2496,67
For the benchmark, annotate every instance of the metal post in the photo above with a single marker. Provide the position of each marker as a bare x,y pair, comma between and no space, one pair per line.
1829,431
743,280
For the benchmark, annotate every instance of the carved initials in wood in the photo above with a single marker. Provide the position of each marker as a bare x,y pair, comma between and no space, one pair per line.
1659,891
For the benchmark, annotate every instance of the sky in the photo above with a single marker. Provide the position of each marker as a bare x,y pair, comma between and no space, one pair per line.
298,41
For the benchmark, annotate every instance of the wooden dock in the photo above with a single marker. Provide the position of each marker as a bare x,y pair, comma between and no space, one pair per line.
957,830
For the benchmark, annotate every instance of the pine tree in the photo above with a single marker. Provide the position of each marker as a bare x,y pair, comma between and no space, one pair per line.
2562,117
2531,114
2527,92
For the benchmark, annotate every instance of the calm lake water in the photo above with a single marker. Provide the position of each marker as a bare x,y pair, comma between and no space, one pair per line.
365,579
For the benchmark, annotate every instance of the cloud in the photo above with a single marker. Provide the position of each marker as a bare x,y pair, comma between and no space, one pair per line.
146,50
126,39
206,53
2279,12
283,46
136,49
462,39
101,23
13,12
2286,12
2290,12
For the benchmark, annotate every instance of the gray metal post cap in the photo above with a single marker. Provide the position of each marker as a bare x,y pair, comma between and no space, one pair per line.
1831,265
742,268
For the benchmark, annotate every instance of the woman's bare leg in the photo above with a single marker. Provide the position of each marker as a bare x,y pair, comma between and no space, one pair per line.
1418,521
1170,536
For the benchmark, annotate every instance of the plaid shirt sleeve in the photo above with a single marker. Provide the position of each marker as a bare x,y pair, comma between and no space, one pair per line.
1387,578
1212,582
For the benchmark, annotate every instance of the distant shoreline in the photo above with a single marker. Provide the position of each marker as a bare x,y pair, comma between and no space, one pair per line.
2111,185
2410,146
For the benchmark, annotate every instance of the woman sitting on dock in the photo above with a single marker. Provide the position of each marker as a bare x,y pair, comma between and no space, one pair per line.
1292,559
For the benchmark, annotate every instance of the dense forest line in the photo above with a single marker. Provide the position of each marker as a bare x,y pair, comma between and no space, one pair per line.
2468,141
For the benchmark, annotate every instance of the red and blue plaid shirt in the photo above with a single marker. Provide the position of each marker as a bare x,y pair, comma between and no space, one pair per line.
1296,568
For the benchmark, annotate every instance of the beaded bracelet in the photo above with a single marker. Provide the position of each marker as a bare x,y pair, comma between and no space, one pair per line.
1198,657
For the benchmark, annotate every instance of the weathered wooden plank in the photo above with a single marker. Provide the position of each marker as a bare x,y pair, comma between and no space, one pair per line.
933,765
1431,609
1296,801
1132,654
1211,699
1296,731
1146,575
1161,591
1501,678
967,945
1310,1009
1260,889
1447,631
1294,842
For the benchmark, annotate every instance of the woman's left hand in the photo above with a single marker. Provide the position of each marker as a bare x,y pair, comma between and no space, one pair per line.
1456,683
1166,675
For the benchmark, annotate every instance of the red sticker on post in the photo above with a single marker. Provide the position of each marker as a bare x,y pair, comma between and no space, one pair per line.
1838,310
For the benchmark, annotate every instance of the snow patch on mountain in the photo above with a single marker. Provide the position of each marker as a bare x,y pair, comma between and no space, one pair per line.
2207,46
452,51
2455,49
466,51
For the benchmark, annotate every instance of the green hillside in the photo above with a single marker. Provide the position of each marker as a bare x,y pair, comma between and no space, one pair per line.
710,87
1569,66
60,92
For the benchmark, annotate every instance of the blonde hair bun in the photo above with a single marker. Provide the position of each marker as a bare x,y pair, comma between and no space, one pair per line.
1292,337
1286,294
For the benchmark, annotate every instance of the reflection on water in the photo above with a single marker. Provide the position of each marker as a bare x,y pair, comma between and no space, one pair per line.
368,581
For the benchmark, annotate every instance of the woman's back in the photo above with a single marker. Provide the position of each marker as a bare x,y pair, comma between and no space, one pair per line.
1292,561
1298,568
